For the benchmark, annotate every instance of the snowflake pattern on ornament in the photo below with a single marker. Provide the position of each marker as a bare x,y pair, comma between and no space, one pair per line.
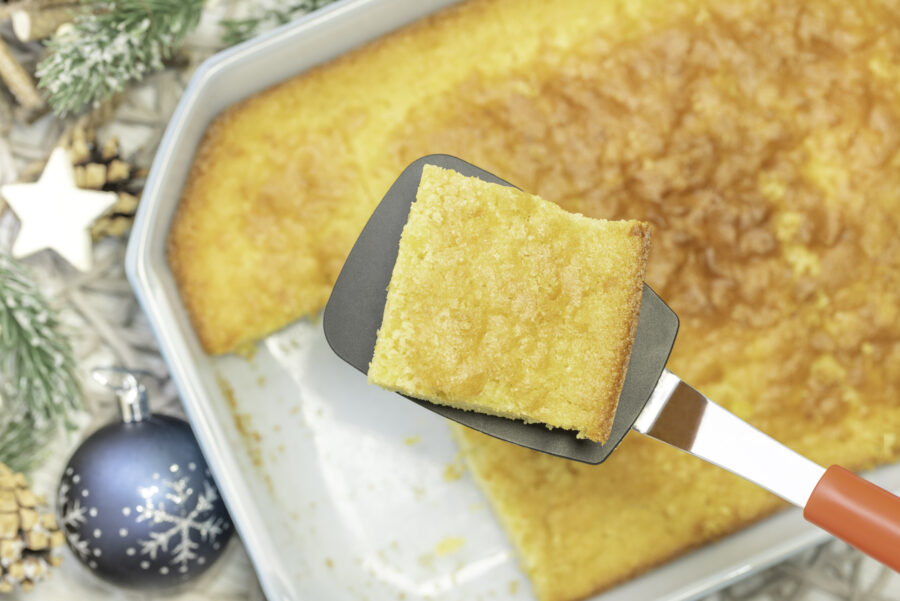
179,526
168,523
73,515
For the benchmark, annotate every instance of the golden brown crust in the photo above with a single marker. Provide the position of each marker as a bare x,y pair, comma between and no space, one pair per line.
250,251
641,231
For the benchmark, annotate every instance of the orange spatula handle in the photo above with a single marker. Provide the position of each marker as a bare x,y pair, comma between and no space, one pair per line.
858,512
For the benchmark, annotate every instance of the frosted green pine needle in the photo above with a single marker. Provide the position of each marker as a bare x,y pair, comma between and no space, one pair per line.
111,44
38,386
22,442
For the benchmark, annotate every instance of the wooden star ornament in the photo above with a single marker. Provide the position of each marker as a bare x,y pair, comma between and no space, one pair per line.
55,213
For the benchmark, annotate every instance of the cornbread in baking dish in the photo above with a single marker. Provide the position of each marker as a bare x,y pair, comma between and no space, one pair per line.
503,303
609,521
760,139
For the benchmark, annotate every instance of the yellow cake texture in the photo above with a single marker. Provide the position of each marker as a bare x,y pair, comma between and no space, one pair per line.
503,303
761,141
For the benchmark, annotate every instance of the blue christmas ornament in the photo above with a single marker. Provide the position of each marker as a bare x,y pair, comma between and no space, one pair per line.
136,500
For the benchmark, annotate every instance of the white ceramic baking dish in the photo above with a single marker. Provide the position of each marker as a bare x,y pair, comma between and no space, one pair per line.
341,491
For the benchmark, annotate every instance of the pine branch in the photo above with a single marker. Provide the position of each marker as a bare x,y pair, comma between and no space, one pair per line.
21,441
38,386
240,30
111,44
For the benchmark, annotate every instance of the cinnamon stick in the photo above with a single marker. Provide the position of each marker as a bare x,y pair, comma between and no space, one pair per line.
31,22
19,82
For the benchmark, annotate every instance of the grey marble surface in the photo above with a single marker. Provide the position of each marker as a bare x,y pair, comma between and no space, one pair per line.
107,327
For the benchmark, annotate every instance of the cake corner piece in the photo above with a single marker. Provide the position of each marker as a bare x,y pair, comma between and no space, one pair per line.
503,303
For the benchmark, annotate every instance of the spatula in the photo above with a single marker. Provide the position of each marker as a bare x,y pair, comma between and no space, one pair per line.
654,401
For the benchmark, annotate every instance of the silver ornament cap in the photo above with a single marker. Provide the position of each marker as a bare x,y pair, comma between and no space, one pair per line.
130,391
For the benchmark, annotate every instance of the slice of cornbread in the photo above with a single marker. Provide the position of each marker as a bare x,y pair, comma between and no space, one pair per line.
503,303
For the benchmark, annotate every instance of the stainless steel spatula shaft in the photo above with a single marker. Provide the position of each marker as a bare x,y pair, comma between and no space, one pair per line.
849,507
679,415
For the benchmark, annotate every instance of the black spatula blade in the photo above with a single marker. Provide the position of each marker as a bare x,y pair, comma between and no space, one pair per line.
355,309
